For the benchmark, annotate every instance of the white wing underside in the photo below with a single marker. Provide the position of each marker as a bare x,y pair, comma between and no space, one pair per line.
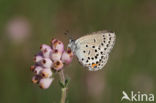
94,49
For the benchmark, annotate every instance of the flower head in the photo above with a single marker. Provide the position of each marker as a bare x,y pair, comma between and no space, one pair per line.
51,57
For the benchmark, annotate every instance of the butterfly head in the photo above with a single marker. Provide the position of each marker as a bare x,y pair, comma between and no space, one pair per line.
72,45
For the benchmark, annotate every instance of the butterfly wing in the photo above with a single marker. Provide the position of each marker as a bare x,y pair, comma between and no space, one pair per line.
93,50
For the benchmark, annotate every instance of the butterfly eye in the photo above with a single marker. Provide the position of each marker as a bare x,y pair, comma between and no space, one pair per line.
71,40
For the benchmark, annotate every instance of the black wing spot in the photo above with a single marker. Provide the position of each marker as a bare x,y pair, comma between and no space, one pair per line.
82,59
95,57
97,62
86,45
107,45
101,52
84,51
92,58
88,52
109,42
110,38
87,61
105,48
95,50
102,44
99,48
94,40
93,46
88,58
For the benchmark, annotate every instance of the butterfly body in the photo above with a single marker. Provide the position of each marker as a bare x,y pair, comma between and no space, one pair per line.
93,50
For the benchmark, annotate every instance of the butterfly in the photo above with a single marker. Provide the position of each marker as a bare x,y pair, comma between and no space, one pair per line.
92,50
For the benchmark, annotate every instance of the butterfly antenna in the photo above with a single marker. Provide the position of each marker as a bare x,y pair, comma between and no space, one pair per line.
68,35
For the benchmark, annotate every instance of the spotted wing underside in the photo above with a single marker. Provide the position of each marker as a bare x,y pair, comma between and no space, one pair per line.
93,50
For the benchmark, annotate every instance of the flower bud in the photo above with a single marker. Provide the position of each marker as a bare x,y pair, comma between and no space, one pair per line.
32,67
44,46
58,45
37,69
45,82
37,58
67,56
47,63
46,72
56,55
47,52
58,65
53,40
36,79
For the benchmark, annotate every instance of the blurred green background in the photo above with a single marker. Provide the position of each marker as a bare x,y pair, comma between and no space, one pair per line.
26,24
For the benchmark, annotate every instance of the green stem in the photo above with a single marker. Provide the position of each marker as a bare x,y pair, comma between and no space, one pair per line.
63,90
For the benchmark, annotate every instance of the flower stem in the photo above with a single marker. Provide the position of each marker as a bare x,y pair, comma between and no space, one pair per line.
63,90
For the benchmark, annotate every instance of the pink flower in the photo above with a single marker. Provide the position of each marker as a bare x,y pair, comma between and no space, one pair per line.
56,44
67,56
56,55
52,41
36,79
18,29
58,65
46,73
49,57
32,68
45,82
47,52
38,58
47,63
44,47
37,69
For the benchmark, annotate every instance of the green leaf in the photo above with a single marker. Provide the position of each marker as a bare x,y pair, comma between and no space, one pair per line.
67,82
61,84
